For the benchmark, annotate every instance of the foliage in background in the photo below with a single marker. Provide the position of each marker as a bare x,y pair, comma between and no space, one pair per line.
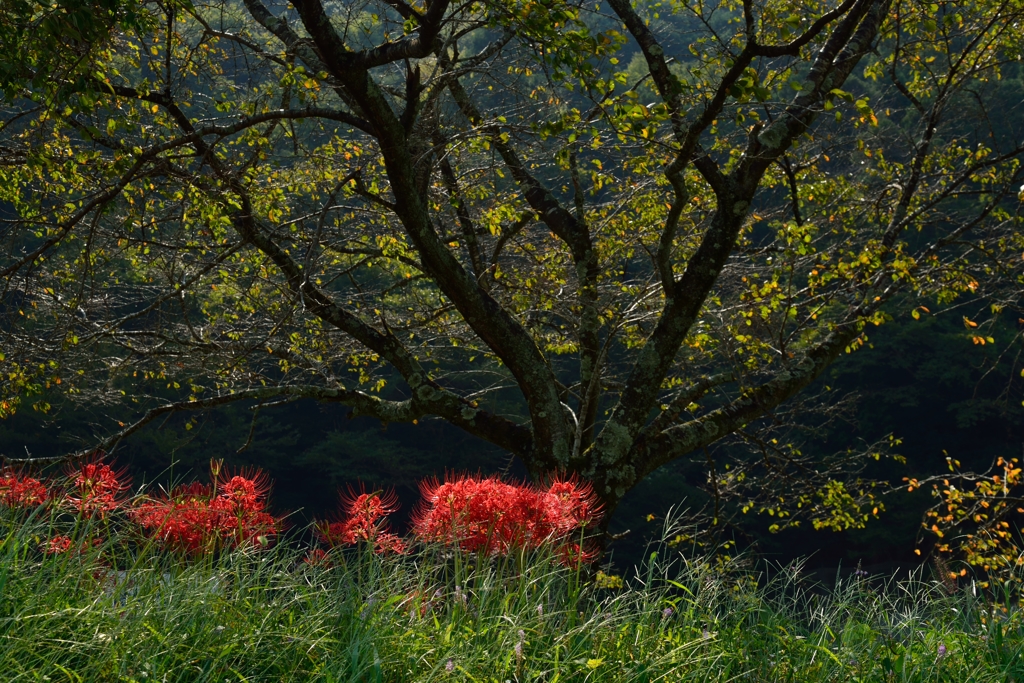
63,47
977,519
924,382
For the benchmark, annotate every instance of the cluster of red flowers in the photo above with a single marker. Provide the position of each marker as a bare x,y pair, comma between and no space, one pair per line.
365,521
93,488
96,489
476,514
487,515
21,491
198,519
57,545
194,518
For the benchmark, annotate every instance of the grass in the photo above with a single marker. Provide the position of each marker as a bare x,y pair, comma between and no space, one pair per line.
128,613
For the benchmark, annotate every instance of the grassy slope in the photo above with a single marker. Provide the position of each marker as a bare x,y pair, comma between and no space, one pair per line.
429,617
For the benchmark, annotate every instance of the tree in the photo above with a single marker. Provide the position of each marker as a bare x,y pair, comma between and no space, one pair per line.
601,241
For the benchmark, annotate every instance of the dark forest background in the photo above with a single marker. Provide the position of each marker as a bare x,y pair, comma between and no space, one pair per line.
923,381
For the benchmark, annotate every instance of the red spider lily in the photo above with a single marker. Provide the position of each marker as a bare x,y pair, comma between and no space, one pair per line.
389,543
574,556
577,504
21,491
243,496
491,516
335,534
316,557
246,491
97,488
195,490
367,508
182,524
245,525
57,545
193,520
366,520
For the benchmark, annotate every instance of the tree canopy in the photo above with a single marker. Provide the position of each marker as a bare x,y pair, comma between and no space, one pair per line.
601,236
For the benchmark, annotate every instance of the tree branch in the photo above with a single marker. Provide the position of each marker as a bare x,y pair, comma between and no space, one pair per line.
495,429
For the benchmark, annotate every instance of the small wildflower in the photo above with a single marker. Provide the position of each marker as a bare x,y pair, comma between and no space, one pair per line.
609,581
942,650
449,666
519,651
540,610
666,613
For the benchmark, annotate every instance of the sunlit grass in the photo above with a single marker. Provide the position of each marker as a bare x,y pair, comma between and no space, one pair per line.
121,612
